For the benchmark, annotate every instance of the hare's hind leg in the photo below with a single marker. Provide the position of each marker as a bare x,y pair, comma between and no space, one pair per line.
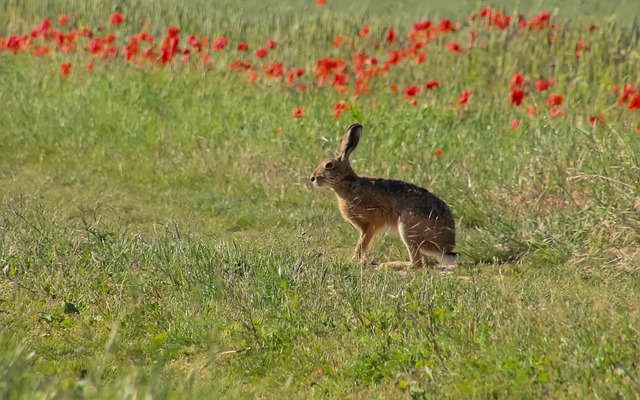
439,243
426,238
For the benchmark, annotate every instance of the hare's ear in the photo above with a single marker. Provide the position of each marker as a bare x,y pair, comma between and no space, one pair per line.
350,141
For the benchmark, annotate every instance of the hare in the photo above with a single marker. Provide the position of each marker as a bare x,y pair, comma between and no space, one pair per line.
424,221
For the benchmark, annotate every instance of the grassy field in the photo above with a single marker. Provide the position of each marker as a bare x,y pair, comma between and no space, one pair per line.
159,236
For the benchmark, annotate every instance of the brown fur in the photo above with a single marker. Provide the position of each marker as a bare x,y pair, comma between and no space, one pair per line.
424,222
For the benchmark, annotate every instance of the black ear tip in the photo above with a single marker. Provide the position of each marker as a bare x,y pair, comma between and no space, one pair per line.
354,126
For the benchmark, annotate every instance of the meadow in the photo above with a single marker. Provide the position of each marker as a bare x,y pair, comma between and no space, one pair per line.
160,238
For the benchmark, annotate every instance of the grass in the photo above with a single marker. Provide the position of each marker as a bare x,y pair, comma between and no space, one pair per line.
161,317
161,240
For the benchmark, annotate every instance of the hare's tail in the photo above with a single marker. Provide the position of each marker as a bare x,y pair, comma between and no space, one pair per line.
449,258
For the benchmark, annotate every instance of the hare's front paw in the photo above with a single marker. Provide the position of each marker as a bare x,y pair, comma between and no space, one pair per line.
358,257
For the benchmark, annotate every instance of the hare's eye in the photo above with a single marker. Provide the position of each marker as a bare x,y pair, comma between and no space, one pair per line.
328,165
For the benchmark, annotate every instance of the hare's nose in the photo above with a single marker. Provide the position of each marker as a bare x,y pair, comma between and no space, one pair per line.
313,179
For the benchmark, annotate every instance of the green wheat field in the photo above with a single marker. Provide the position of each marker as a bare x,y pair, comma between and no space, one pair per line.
160,237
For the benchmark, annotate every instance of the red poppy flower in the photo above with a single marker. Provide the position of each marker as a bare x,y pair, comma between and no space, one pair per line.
43,30
439,152
515,124
38,51
501,21
391,35
252,76
65,69
279,131
298,112
149,53
522,22
90,66
273,70
206,62
517,82
291,75
339,107
145,37
63,19
359,61
485,12
411,91
116,19
240,65
516,97
261,52
552,81
302,88
394,88
556,112
112,51
421,26
464,97
627,91
271,45
454,47
474,37
598,118
12,43
579,48
394,57
173,31
361,87
219,43
169,45
419,38
342,89
431,84
243,47
86,32
592,27
540,22
415,46
554,100
195,43
542,85
445,26
339,79
95,47
634,103
364,31
532,110
420,58
321,2
325,67
337,41
131,51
